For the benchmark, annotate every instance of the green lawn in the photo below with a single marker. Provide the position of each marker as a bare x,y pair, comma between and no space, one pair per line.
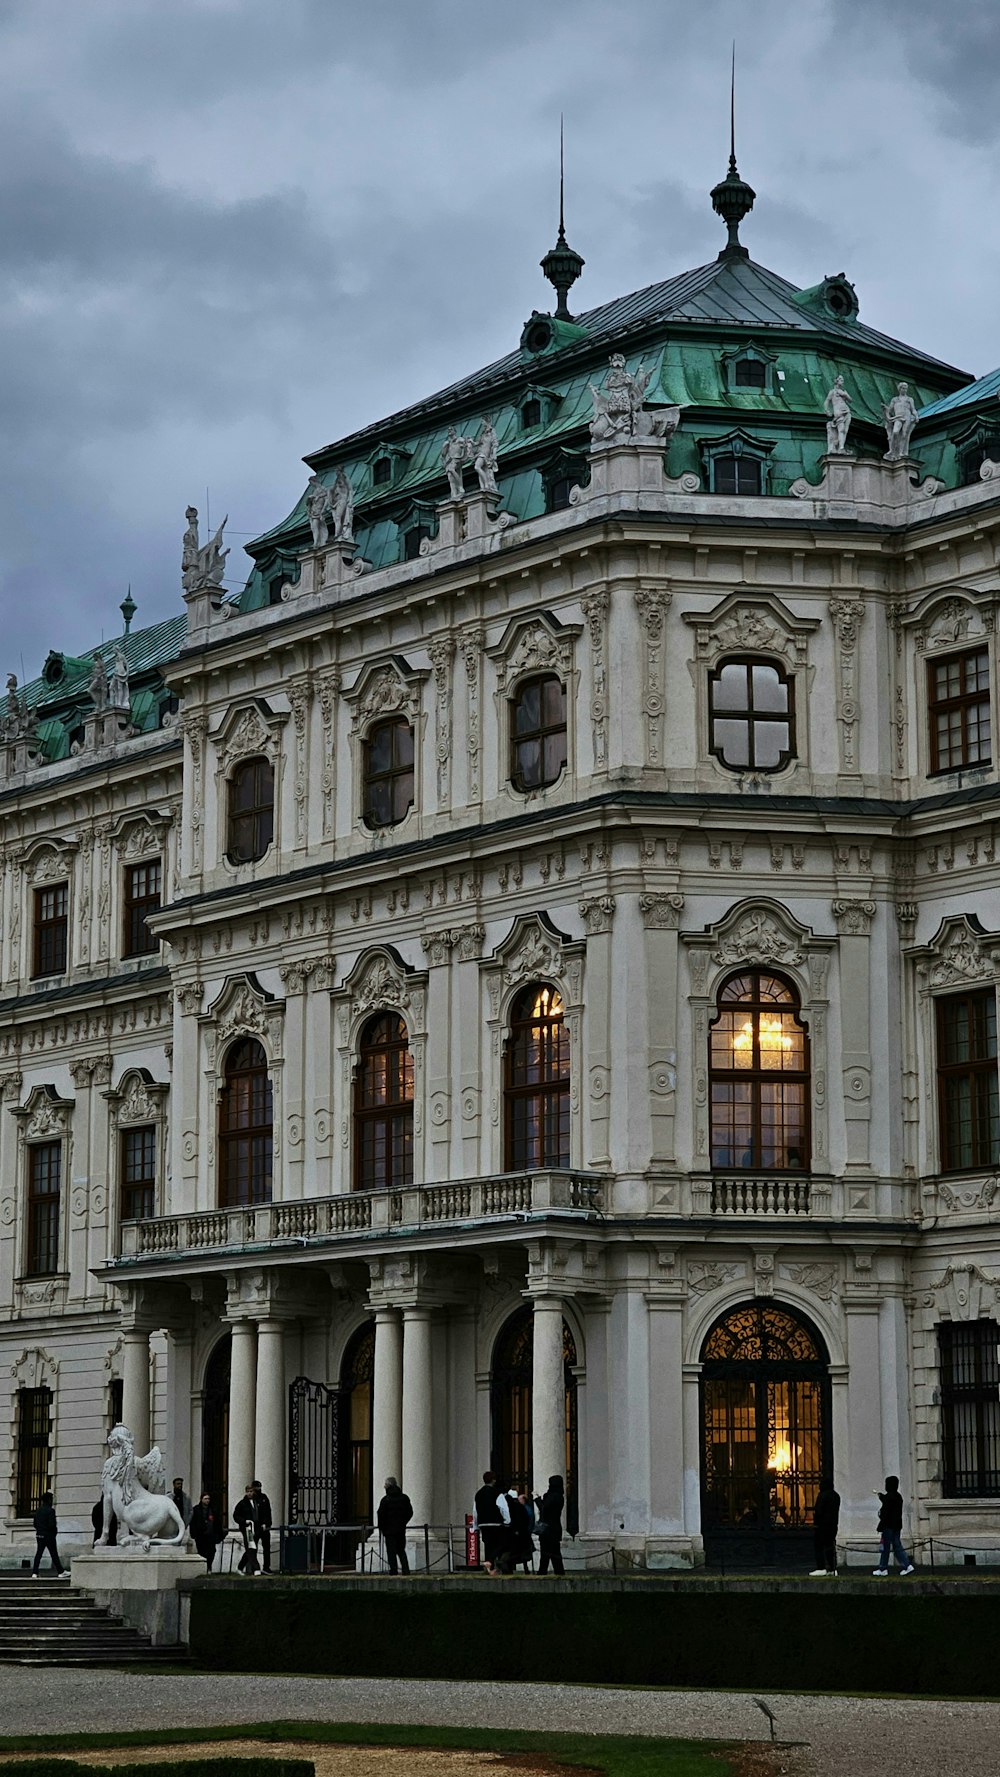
615,1756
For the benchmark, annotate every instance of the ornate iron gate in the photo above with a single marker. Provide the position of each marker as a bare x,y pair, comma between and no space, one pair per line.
314,1436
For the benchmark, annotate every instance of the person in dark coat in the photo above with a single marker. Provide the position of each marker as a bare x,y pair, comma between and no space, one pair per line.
393,1515
521,1540
206,1530
262,1508
548,1525
97,1520
46,1530
245,1515
890,1526
826,1520
181,1500
490,1518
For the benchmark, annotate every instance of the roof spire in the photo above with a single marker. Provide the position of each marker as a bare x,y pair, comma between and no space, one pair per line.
561,265
128,608
732,198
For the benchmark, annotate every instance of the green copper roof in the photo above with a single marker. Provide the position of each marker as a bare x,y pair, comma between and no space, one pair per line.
63,699
985,388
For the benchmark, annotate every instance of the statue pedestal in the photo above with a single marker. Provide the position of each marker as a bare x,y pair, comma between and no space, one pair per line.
633,466
139,1586
852,487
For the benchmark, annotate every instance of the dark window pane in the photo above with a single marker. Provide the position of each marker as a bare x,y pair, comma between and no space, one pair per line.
750,374
958,710
970,1409
142,897
251,810
968,1098
762,693
539,735
34,1433
44,1181
382,471
383,1106
388,780
245,1126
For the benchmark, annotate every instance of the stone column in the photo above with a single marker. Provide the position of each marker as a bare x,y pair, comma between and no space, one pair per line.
180,1347
135,1386
269,1438
387,1402
242,1409
548,1392
418,1436
666,1416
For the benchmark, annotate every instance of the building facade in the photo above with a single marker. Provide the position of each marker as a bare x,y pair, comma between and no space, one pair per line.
517,986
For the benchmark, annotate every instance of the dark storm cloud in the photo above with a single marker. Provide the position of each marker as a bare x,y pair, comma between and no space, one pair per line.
231,230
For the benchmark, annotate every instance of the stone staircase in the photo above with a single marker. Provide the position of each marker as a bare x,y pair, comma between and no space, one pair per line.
48,1622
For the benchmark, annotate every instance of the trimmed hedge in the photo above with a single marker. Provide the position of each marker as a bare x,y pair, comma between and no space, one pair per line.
876,1641
191,1767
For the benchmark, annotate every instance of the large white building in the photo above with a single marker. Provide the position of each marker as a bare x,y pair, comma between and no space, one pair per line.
517,986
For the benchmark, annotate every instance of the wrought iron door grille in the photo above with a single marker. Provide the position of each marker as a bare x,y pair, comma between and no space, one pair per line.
315,1412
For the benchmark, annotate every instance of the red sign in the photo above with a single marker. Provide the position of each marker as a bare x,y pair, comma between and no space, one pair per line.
471,1543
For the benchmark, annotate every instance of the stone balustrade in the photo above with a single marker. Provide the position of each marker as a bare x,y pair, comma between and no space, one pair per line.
750,1194
366,1212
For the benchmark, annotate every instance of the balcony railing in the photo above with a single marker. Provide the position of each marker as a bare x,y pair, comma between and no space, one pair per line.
366,1212
749,1194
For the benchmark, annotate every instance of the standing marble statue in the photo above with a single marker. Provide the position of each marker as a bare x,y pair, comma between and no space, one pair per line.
99,683
341,508
900,416
455,451
202,564
189,550
317,510
837,408
118,697
14,716
485,458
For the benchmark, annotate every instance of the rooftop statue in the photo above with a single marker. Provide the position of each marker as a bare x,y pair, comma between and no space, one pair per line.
317,509
202,565
118,697
14,717
485,458
99,683
334,504
837,408
134,1489
900,416
455,452
619,414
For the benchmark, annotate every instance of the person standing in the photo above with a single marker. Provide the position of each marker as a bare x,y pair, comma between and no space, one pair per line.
393,1515
548,1524
46,1531
262,1508
890,1527
489,1518
522,1543
826,1521
181,1499
245,1515
205,1529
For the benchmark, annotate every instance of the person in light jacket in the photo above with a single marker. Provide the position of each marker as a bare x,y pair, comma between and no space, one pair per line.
548,1525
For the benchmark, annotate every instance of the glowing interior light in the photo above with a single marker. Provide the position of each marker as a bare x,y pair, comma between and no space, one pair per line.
773,1038
782,1458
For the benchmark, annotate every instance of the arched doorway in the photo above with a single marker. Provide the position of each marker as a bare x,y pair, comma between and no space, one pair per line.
510,1408
354,1480
215,1426
766,1438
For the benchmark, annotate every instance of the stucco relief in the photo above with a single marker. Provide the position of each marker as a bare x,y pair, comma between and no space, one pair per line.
595,610
531,646
956,621
959,953
965,1292
248,730
388,688
652,604
743,625
243,1008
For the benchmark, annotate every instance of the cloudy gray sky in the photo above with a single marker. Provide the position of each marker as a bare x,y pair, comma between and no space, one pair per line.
232,230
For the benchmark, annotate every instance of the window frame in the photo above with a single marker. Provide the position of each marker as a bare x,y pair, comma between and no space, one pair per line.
540,1148
982,1067
758,1076
43,1230
394,774
137,939
28,1496
964,702
750,715
129,1187
232,1135
538,735
50,931
260,815
393,1114
981,1396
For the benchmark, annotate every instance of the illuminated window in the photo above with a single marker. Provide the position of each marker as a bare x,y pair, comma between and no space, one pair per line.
958,708
751,715
246,1134
538,737
251,810
967,1080
759,1062
51,934
537,1081
142,897
387,771
383,1106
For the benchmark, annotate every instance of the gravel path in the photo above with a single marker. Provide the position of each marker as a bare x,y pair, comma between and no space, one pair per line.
847,1736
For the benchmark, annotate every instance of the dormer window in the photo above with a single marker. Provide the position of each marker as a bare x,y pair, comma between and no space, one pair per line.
737,465
736,475
531,413
749,367
382,471
412,539
973,460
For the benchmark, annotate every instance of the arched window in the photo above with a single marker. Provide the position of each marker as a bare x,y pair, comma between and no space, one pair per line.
246,1134
354,1491
387,788
215,1428
759,1061
251,810
538,737
383,1106
751,715
537,1081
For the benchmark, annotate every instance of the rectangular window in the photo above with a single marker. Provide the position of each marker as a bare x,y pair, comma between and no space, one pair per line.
138,1182
142,897
970,1409
34,1431
958,709
736,475
116,1399
967,1080
51,930
44,1179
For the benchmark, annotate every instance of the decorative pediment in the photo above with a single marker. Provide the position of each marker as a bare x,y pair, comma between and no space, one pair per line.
138,1098
535,950
387,687
381,981
743,624
49,860
956,619
139,836
35,1368
44,1116
249,729
759,934
537,644
965,1292
244,1008
961,951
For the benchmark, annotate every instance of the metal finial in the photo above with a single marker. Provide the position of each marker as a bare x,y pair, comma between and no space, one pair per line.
732,198
128,608
732,113
562,181
561,265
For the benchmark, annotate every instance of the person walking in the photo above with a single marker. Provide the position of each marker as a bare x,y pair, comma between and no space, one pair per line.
182,1500
548,1525
46,1531
206,1530
262,1507
490,1518
826,1520
890,1528
522,1542
245,1515
393,1515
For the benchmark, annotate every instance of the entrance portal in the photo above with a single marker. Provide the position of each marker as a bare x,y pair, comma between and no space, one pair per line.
510,1409
766,1438
215,1427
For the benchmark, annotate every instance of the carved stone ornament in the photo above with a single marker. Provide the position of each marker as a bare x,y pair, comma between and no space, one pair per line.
50,863
965,1292
854,918
248,731
387,689
739,625
712,1276
757,938
243,1008
538,645
959,953
661,913
598,914
35,1368
45,1116
818,1280
969,1196
531,949
139,1100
